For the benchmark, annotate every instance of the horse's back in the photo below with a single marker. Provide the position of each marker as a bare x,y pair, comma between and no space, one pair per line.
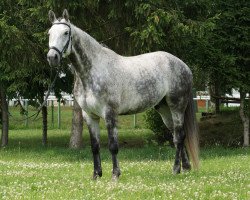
166,63
148,78
162,67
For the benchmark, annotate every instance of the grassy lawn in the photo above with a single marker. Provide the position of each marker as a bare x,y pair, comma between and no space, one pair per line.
30,171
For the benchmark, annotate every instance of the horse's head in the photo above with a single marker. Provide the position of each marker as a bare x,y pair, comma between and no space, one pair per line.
59,38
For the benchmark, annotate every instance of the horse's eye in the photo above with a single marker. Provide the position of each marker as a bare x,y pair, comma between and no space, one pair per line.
66,33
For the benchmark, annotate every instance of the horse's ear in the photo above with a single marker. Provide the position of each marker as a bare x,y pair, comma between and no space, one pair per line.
52,16
65,15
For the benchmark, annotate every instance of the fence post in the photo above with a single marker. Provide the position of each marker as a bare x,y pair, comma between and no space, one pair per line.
206,105
135,120
59,113
195,101
52,113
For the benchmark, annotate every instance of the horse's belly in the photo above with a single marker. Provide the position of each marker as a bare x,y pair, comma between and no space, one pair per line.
139,102
136,109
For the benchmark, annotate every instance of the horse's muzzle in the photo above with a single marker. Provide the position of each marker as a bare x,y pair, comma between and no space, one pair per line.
53,58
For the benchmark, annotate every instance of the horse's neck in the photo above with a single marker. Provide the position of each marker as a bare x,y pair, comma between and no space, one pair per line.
85,50
82,43
89,56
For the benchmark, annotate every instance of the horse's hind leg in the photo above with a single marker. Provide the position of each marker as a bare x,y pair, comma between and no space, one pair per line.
179,138
111,121
181,156
163,109
94,131
185,160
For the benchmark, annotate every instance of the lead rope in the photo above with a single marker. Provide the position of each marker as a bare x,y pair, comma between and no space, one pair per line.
47,95
43,104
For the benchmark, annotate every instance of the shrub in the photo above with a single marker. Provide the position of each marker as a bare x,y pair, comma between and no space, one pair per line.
155,123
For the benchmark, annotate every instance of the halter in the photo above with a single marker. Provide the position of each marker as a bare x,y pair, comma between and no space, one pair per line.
66,45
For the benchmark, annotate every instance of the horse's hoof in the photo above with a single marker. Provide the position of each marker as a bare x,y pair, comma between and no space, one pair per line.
115,175
176,169
186,167
115,178
97,174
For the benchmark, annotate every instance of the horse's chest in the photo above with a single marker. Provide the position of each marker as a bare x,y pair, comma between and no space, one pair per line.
90,94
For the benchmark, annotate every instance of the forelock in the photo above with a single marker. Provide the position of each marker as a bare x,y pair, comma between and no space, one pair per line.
60,19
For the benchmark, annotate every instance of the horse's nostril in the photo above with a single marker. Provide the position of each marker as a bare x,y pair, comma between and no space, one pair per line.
56,57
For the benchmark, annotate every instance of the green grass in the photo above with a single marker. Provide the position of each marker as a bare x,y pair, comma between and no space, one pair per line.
30,171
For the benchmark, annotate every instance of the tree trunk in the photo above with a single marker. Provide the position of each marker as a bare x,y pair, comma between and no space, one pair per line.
5,118
76,141
245,119
45,128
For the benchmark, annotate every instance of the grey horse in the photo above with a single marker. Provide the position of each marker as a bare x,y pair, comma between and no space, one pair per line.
109,85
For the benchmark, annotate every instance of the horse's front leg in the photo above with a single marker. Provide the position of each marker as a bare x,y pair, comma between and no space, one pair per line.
94,131
111,121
